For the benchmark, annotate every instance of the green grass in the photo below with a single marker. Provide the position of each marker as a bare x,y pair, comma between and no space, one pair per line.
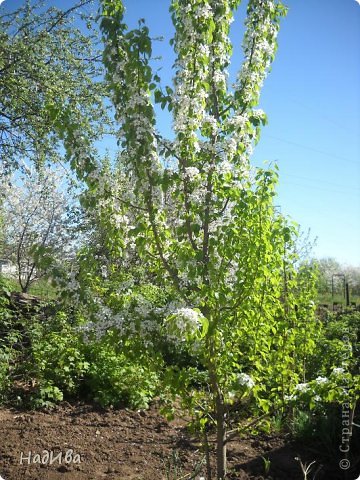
329,300
42,288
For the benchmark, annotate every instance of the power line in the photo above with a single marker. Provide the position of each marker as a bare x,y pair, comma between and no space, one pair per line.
318,115
317,180
307,147
320,187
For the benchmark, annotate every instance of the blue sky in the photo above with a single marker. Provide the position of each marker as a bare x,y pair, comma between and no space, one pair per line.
312,99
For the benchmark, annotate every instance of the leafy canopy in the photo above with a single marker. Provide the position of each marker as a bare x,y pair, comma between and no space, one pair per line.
50,82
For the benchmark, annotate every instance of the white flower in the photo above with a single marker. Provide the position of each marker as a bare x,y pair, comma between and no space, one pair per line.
189,315
288,398
184,320
191,173
250,150
321,380
245,380
302,387
219,78
204,50
211,121
259,113
204,12
104,272
238,121
232,146
338,371
120,220
224,167
143,307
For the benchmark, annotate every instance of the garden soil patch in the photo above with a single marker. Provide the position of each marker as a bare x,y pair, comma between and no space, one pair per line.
128,445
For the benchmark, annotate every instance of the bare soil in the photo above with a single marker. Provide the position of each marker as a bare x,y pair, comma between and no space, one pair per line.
128,445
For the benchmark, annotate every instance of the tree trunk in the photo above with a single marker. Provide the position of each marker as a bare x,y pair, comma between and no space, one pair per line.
207,456
219,416
220,438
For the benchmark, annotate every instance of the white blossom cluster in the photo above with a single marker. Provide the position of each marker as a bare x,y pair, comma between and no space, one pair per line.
104,271
82,153
183,321
103,322
289,398
140,320
259,48
238,145
302,387
111,191
238,121
134,111
73,285
130,321
203,12
312,387
244,380
321,380
190,173
200,60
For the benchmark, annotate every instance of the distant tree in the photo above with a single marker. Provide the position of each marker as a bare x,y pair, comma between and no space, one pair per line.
329,266
2,223
50,82
36,231
352,274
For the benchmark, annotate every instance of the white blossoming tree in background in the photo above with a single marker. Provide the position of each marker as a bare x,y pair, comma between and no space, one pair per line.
198,216
36,229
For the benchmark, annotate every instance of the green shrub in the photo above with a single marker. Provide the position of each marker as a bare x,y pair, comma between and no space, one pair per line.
8,337
4,300
64,366
333,384
114,379
338,345
46,395
6,357
58,356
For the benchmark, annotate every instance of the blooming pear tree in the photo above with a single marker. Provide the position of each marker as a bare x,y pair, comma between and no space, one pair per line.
199,216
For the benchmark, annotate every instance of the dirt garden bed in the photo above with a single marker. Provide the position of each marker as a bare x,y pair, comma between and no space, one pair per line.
128,445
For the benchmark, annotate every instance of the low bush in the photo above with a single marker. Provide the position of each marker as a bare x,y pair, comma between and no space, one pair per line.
116,379
6,358
62,366
7,340
57,356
